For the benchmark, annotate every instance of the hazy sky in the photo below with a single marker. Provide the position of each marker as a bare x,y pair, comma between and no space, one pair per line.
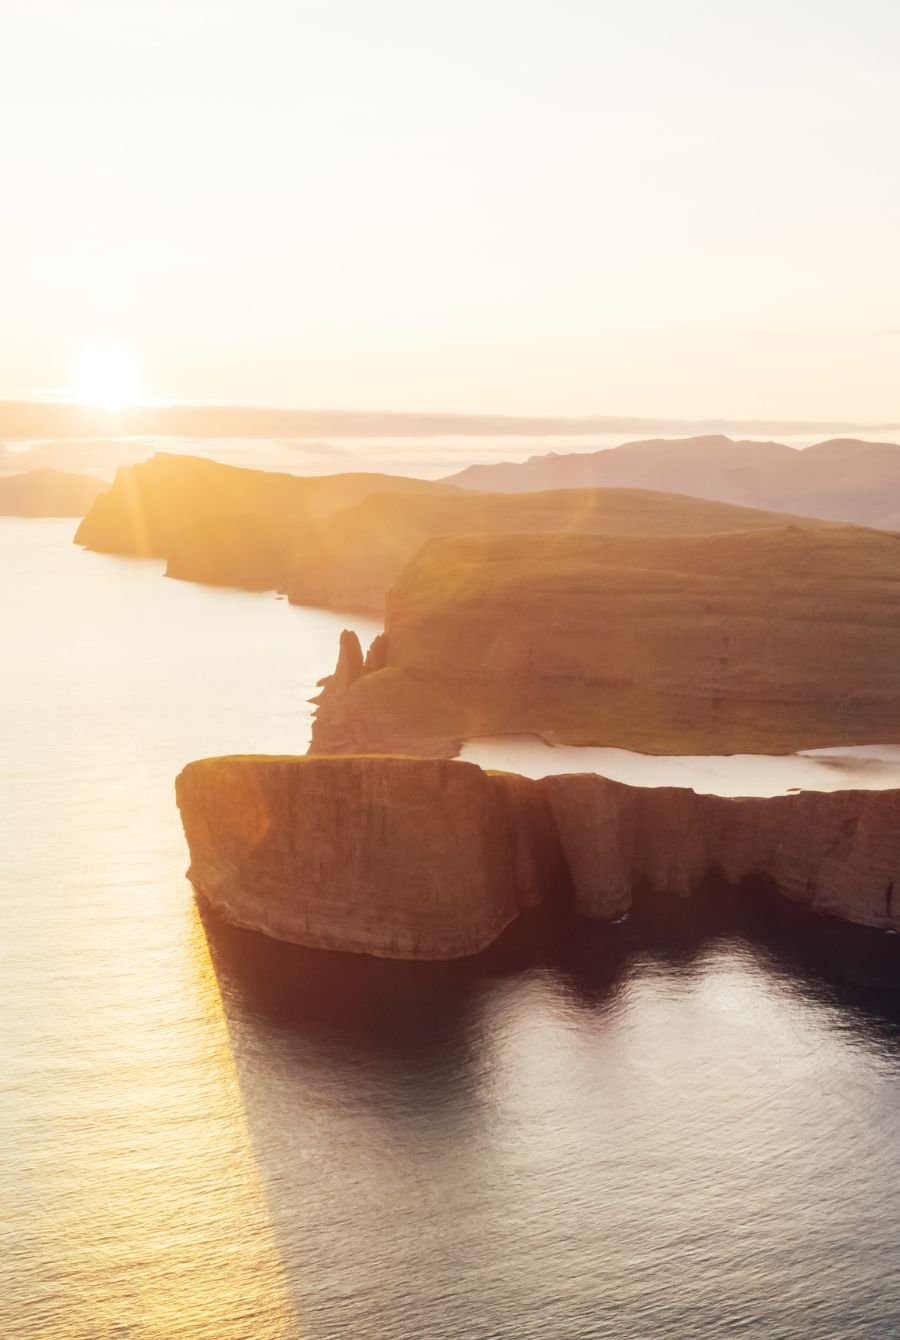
567,206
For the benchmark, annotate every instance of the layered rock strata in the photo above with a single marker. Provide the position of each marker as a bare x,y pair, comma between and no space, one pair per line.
400,858
758,642
836,853
430,859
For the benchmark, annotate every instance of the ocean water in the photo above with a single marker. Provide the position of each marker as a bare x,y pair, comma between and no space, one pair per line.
684,1127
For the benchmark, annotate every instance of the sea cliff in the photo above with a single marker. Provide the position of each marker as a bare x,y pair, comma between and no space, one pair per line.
747,642
432,859
400,858
222,524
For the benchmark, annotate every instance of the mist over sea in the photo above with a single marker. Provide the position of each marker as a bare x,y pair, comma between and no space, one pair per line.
682,1127
421,457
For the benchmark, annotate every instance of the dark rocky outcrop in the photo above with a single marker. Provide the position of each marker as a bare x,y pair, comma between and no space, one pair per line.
350,667
414,858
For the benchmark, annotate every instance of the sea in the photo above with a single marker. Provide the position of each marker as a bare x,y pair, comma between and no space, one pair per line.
684,1126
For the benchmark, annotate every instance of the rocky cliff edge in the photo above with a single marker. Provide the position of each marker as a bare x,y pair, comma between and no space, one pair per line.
432,859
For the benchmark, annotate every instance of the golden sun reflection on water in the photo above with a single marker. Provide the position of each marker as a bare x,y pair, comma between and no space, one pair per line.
132,1204
155,1194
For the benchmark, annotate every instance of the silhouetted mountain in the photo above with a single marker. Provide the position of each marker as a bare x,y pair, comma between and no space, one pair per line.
841,480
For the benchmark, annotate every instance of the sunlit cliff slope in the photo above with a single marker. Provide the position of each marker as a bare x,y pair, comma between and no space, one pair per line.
342,540
763,641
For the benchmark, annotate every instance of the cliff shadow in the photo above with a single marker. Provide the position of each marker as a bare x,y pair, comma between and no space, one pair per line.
371,1086
391,1104
858,966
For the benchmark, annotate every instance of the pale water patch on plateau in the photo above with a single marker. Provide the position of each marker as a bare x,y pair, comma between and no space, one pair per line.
863,767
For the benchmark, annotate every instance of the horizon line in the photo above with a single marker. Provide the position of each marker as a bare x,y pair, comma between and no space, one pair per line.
22,417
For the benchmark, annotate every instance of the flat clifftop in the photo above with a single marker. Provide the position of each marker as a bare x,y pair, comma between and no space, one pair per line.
357,555
395,857
750,642
47,493
415,858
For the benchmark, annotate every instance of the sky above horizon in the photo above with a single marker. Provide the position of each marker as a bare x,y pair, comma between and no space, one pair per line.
512,206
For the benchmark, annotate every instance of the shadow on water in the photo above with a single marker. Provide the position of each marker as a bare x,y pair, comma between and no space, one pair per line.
395,1107
394,1009
409,1016
855,967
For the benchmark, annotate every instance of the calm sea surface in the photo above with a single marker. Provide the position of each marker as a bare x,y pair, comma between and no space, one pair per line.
685,1127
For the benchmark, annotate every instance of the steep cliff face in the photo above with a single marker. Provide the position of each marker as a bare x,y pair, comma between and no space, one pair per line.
761,642
221,524
388,856
833,852
414,858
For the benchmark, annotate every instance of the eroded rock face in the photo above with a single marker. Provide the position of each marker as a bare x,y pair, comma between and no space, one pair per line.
395,857
350,666
833,852
430,859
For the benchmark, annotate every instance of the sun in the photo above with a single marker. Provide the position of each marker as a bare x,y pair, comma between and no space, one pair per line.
108,377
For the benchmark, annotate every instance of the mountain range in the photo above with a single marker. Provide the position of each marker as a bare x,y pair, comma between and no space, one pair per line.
842,479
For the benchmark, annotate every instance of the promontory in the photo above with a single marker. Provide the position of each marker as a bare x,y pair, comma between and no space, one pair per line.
433,859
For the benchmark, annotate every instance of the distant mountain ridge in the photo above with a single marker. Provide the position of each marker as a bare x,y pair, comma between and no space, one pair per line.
28,420
842,479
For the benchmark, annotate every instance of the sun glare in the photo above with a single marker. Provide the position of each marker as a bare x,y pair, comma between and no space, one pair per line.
108,377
